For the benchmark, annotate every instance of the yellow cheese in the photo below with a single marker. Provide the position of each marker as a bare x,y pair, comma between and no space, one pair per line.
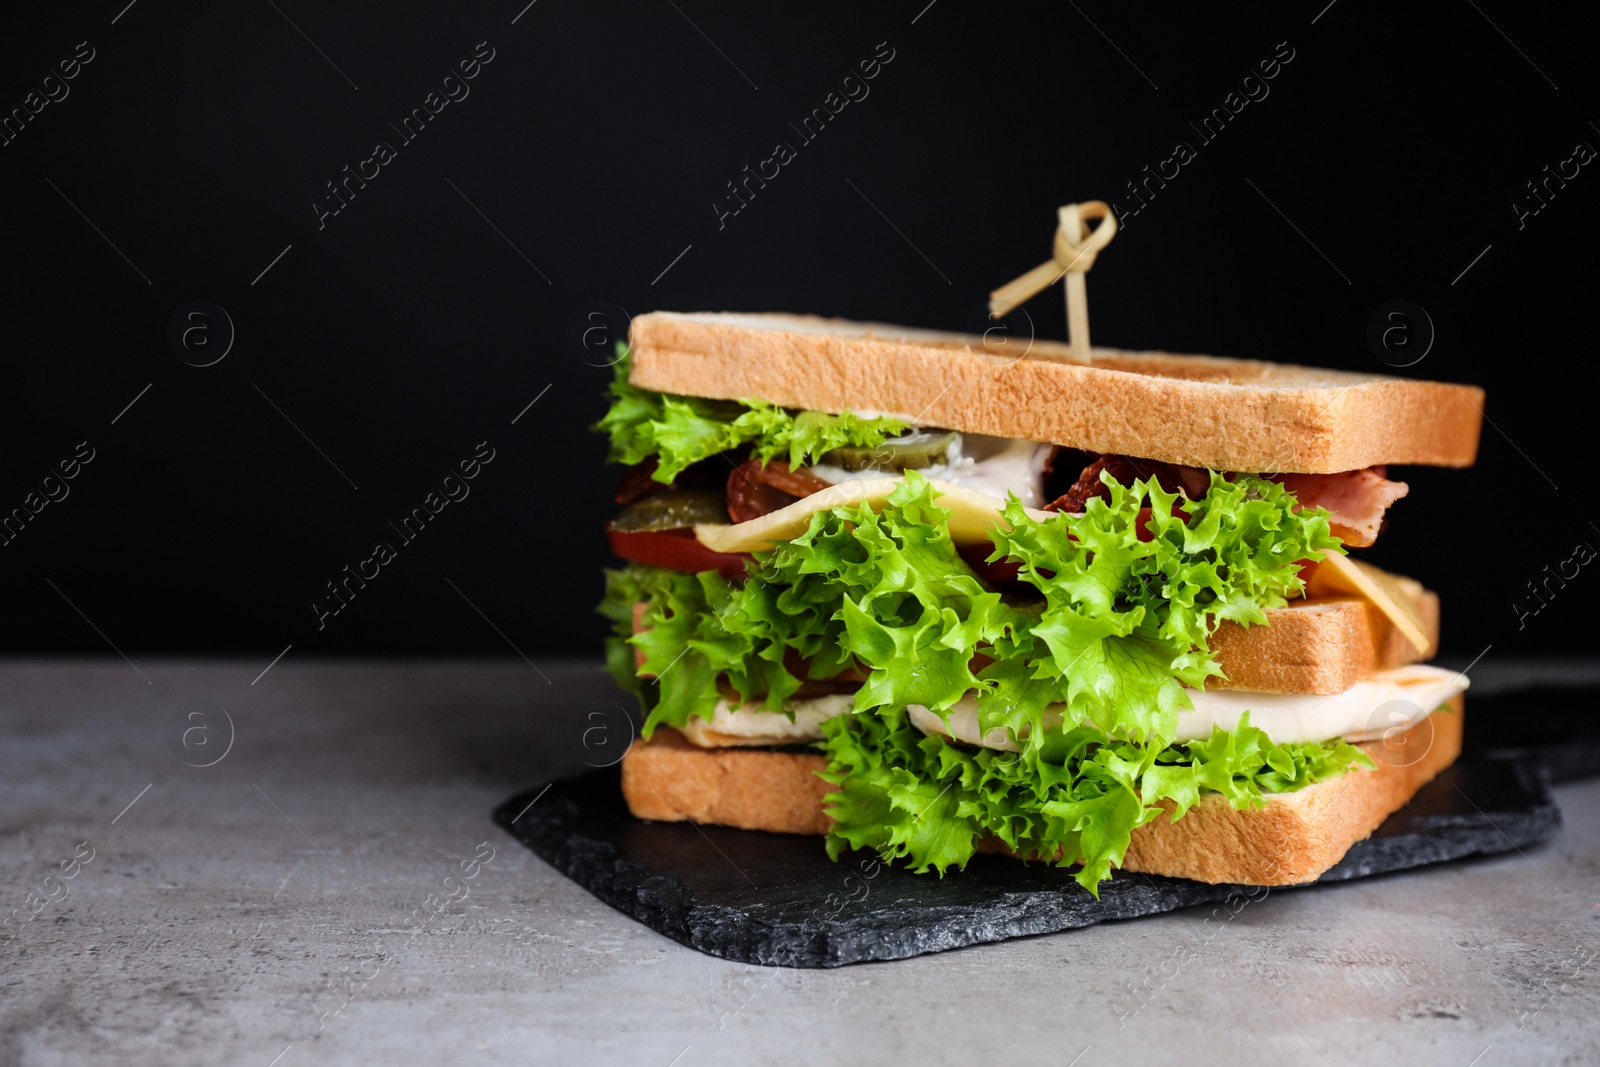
972,514
1387,592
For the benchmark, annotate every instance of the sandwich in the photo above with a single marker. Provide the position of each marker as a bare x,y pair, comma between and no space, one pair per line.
916,595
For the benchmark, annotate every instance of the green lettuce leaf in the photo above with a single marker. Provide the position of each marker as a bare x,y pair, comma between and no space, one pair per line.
1127,619
683,430
1087,676
1119,623
913,611
1075,799
626,587
702,636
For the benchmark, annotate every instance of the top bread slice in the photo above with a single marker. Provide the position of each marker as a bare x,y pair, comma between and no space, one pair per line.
1200,411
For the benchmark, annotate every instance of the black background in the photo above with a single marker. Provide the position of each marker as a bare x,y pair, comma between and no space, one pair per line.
409,329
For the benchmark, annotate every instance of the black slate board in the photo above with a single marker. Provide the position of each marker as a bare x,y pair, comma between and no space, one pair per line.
776,899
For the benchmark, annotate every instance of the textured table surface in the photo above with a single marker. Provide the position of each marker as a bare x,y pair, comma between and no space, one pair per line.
227,913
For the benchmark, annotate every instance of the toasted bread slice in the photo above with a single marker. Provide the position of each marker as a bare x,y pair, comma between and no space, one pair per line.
1323,645
1296,836
667,779
1202,411
1293,838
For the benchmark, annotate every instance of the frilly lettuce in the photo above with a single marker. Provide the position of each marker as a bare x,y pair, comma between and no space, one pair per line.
1117,627
703,634
1127,618
1074,799
1122,621
682,430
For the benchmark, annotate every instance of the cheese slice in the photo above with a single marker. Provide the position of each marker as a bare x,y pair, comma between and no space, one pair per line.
972,514
1390,594
1387,701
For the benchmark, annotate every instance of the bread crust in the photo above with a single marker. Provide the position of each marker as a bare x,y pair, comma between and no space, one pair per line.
666,779
1202,411
1297,836
1323,645
1291,839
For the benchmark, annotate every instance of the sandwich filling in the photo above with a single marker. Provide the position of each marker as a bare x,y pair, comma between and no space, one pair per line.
1370,710
987,638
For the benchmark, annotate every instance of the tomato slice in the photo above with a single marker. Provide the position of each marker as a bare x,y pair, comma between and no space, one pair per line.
676,550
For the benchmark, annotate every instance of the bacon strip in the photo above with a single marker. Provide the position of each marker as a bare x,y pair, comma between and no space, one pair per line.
796,483
638,481
754,490
1356,500
1192,481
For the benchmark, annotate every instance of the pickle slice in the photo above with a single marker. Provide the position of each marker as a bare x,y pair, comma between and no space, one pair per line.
672,510
912,451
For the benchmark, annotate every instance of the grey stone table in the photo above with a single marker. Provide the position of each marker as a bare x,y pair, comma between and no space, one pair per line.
258,911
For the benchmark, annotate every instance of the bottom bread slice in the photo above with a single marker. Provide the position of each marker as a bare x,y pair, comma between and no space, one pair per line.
667,779
1293,838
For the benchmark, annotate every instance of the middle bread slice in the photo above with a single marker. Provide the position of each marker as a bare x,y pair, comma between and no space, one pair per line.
1323,645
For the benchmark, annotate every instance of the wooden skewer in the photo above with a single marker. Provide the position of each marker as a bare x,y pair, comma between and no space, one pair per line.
1073,254
1076,292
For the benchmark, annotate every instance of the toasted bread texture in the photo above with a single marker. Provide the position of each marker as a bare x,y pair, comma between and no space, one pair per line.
666,779
1323,645
1296,836
1202,411
1293,838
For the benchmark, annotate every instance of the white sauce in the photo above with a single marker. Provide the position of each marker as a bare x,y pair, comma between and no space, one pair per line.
991,465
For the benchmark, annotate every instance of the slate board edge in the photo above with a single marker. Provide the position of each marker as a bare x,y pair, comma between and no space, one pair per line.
1445,844
657,901
665,904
